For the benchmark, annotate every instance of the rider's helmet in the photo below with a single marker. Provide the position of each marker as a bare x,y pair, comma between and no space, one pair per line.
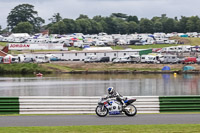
110,90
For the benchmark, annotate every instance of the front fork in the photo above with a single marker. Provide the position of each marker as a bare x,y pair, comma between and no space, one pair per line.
102,108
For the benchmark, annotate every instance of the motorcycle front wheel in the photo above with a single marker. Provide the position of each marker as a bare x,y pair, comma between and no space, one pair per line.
101,111
130,110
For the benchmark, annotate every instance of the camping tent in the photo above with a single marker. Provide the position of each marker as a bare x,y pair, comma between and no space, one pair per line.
166,68
186,68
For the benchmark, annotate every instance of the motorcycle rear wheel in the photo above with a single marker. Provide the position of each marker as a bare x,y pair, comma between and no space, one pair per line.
100,112
130,110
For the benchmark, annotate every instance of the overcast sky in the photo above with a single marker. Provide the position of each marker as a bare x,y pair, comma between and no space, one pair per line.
73,8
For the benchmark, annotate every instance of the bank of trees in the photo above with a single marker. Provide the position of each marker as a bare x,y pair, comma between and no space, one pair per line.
23,18
124,24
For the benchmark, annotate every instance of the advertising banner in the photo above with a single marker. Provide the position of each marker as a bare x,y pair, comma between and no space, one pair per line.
25,46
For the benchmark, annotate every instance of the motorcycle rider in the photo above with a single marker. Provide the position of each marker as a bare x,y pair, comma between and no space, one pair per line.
114,94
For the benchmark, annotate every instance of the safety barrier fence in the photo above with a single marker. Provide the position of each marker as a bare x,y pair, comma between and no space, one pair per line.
179,103
86,104
9,105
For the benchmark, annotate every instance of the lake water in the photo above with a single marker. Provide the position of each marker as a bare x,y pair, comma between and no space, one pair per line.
96,85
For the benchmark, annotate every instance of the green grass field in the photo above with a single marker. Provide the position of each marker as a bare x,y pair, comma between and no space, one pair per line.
22,68
184,128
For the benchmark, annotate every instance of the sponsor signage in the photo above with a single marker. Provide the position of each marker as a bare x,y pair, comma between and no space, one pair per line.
25,46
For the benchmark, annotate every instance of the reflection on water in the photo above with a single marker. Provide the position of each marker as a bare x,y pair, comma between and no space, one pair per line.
96,84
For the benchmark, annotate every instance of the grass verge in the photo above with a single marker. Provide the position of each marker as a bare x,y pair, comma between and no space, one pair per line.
74,48
22,68
3,44
56,67
183,128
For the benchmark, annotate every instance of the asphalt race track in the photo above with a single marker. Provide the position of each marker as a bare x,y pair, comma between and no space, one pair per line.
72,120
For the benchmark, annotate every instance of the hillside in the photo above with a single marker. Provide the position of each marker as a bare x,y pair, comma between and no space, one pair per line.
188,40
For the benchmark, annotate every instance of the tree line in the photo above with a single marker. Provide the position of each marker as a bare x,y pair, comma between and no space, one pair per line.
23,18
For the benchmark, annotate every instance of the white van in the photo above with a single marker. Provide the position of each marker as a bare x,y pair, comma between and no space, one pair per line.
91,58
42,59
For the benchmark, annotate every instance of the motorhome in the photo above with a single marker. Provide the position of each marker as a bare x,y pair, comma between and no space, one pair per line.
195,49
186,48
168,49
170,59
148,59
128,59
125,59
135,58
192,34
159,57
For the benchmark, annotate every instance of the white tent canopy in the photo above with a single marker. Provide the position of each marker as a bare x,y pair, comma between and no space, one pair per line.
19,35
98,49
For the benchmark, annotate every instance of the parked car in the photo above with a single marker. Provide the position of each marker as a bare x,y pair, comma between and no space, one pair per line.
104,59
28,60
190,60
55,59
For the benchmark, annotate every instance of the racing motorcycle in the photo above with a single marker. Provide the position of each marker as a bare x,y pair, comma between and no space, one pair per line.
113,107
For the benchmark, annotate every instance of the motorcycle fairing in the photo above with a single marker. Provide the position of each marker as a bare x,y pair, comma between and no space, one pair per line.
129,101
